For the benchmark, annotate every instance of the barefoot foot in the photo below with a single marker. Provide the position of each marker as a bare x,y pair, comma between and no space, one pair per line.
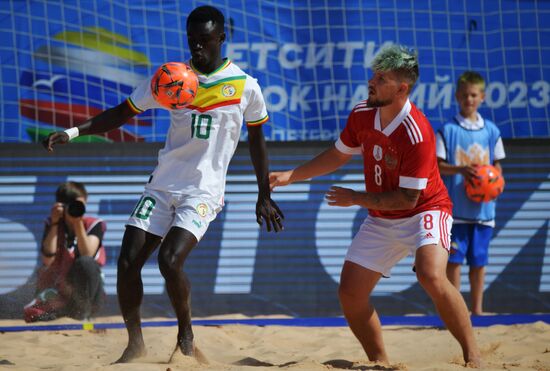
132,352
473,362
191,351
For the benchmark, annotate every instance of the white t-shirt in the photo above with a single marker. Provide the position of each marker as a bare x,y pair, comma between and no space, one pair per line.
202,137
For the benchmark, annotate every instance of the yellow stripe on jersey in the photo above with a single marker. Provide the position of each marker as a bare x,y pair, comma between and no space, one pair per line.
133,106
224,92
258,122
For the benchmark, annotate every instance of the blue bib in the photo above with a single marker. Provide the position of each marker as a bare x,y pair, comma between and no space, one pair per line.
468,147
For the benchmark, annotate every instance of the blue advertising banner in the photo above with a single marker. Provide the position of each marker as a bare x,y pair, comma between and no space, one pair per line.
62,62
239,267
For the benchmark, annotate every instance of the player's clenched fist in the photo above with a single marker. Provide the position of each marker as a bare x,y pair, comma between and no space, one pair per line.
279,178
339,196
58,137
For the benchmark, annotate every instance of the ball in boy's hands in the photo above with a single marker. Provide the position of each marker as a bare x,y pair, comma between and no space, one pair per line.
486,185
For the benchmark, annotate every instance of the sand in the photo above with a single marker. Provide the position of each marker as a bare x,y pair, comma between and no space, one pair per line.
244,347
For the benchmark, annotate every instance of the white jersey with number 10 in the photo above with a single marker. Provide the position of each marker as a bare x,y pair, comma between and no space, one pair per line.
203,137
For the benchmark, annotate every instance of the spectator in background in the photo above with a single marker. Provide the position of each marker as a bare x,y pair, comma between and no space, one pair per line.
462,144
70,281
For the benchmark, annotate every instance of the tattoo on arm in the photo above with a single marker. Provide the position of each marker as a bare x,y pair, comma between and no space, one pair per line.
376,200
411,195
403,199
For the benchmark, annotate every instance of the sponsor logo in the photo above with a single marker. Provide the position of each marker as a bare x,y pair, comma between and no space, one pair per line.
198,224
228,90
377,152
428,235
202,209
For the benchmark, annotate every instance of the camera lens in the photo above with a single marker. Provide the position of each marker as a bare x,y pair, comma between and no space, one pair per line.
76,209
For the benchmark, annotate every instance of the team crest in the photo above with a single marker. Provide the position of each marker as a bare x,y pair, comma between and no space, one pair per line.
228,90
391,161
202,209
377,152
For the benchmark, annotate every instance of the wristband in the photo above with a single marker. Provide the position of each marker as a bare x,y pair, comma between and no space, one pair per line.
72,132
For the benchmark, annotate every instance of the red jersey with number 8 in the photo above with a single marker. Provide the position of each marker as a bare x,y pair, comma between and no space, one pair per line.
400,155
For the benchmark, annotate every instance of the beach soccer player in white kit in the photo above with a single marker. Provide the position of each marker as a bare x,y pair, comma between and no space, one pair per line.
185,191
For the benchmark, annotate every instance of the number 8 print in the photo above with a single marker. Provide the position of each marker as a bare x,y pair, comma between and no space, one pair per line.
378,175
428,221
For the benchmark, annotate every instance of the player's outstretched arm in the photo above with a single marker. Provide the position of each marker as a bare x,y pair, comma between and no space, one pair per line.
324,163
400,199
107,120
266,209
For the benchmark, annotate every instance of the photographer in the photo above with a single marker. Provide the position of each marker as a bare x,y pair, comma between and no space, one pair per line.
69,282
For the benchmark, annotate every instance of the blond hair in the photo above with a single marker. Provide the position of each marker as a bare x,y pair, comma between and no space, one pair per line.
470,77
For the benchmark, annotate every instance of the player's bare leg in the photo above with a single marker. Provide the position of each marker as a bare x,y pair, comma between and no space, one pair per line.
453,274
477,283
356,285
137,246
175,248
430,264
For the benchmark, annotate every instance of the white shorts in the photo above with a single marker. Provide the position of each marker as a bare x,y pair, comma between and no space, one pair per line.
381,243
157,211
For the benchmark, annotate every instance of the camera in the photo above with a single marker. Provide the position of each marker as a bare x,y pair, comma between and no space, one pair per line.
76,208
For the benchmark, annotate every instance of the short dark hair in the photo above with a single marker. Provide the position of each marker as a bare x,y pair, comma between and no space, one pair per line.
69,191
205,13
